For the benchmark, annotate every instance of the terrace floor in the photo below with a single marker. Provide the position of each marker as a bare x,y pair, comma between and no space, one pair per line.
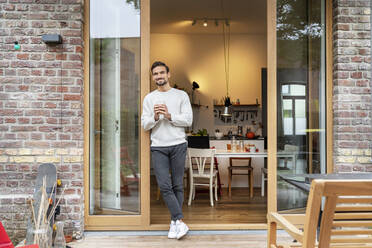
157,239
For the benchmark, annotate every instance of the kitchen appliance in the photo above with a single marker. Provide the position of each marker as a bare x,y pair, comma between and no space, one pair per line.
240,130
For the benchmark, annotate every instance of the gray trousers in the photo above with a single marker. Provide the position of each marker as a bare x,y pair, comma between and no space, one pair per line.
170,159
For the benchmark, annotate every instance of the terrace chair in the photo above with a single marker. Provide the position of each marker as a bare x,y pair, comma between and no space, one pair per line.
202,172
346,220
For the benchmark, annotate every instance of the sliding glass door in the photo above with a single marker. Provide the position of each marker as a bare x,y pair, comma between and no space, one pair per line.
301,94
117,197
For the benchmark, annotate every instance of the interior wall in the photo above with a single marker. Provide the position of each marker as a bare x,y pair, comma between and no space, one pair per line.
200,58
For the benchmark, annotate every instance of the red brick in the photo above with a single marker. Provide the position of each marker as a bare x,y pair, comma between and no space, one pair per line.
10,120
23,56
50,105
23,128
37,112
52,120
37,121
69,97
11,112
356,75
36,136
61,56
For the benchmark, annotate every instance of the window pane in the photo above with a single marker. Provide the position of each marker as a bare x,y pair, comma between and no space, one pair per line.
301,97
287,117
297,90
300,116
114,108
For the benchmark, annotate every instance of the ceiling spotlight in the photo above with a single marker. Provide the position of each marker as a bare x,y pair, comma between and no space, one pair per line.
205,24
193,22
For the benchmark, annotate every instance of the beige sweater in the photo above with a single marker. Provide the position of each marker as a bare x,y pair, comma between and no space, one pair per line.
163,131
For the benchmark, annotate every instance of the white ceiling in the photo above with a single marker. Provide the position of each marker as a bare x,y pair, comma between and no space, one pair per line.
175,16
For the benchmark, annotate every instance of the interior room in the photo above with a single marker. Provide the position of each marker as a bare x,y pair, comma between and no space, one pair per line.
216,49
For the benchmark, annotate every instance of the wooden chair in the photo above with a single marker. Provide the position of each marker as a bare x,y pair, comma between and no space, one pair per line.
249,172
126,163
263,180
201,166
346,220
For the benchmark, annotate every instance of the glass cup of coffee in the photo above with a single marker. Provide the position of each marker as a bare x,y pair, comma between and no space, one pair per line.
160,102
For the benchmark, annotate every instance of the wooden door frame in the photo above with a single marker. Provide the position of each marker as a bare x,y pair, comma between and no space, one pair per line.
142,222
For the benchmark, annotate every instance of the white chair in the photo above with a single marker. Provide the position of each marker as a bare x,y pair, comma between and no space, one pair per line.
201,166
290,149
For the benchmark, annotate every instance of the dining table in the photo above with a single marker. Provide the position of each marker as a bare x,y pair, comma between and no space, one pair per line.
303,181
242,154
224,153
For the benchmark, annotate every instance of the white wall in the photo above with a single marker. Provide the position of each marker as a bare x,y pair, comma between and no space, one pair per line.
200,58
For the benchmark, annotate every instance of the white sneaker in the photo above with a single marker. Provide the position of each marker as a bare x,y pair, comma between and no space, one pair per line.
182,229
172,234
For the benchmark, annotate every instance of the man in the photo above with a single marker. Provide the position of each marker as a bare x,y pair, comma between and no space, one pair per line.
166,112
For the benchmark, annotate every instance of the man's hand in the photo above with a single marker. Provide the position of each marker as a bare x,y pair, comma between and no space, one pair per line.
156,112
161,109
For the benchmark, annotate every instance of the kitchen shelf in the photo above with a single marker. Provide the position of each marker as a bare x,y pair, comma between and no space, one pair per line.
198,105
239,105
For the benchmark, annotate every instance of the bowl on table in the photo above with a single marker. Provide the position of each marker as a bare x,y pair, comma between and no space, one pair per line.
218,135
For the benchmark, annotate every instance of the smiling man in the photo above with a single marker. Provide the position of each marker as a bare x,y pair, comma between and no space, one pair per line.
166,112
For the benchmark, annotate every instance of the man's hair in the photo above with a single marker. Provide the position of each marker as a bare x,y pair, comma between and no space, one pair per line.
159,63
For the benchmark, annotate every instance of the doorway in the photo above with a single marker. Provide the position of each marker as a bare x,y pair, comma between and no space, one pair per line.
221,46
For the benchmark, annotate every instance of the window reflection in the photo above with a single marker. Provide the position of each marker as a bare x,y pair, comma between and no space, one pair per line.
301,93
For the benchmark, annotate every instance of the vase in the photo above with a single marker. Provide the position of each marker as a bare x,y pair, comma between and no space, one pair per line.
59,240
41,236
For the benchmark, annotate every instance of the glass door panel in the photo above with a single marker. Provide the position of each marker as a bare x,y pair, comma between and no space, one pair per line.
301,92
114,172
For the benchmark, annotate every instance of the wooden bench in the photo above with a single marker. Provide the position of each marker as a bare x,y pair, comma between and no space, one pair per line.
346,220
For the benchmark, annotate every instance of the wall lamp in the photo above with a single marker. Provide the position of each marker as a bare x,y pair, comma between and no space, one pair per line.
51,38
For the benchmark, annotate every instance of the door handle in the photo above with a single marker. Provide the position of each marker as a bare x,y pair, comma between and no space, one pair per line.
102,131
116,125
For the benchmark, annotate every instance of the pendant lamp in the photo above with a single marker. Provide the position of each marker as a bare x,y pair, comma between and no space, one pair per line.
226,45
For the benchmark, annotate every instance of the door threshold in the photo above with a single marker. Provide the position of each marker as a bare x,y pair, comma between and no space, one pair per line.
165,232
213,227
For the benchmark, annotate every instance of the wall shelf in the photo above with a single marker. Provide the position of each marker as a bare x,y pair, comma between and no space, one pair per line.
242,114
198,105
239,105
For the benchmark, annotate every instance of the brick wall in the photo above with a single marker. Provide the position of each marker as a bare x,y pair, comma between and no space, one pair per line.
352,87
41,106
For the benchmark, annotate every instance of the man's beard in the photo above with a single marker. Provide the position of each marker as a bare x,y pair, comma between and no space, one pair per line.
161,83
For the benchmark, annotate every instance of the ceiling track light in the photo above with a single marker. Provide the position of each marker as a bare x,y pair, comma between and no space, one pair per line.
216,21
